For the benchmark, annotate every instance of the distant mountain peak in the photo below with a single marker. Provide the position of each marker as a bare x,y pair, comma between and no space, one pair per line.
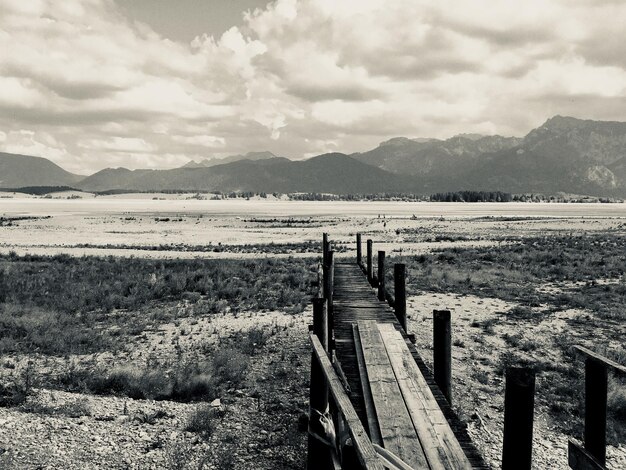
469,136
209,162
564,122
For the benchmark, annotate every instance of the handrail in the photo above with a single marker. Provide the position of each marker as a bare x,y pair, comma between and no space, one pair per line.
365,451
617,368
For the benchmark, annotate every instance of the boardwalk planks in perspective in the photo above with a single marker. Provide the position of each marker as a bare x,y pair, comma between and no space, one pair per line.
396,427
438,441
442,437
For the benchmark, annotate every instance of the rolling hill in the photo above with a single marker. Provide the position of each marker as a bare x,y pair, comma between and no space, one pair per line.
18,171
333,173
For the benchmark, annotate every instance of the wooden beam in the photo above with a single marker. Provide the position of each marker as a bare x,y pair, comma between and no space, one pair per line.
325,248
396,427
370,411
442,352
579,459
381,276
369,262
596,388
318,453
399,291
519,404
616,367
365,451
359,261
436,436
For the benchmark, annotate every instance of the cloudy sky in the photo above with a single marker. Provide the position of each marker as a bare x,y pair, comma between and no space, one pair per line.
153,83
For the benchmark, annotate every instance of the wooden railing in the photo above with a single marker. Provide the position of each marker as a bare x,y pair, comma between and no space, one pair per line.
330,407
592,455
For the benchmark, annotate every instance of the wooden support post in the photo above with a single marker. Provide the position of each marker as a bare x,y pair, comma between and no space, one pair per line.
399,287
329,300
325,248
442,352
359,261
381,276
318,455
369,261
595,408
519,401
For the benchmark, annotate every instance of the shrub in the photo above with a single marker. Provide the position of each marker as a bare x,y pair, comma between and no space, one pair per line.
230,366
202,420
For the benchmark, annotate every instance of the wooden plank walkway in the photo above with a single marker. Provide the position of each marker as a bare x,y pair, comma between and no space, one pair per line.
355,302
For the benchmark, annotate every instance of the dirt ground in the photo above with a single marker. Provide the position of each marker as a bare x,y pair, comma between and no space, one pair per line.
260,418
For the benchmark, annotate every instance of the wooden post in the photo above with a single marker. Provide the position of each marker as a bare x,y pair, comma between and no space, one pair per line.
369,261
329,300
595,408
381,276
399,292
442,353
325,248
519,401
359,261
318,455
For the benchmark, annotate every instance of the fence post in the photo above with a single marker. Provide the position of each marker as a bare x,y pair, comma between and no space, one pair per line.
329,299
595,408
369,261
399,292
359,261
381,276
325,248
318,454
442,352
519,401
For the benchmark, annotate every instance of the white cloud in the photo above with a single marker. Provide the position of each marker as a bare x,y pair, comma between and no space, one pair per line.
200,140
86,87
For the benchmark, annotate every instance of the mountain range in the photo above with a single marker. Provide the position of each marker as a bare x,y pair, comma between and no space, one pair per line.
209,162
564,154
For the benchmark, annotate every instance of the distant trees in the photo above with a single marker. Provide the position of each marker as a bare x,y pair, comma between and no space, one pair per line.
356,197
472,196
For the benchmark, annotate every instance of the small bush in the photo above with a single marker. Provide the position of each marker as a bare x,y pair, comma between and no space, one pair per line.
203,421
230,366
71,409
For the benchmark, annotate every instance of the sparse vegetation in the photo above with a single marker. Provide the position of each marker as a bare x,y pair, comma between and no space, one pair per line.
203,420
97,302
517,271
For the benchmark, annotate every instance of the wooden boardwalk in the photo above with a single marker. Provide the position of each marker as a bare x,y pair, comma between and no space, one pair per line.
374,404
378,382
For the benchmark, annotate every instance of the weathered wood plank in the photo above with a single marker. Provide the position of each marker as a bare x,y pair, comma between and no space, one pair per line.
396,427
617,367
372,421
579,459
365,451
351,284
438,441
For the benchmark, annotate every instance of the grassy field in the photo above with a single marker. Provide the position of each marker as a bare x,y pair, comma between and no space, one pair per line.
61,305
541,276
165,329
588,271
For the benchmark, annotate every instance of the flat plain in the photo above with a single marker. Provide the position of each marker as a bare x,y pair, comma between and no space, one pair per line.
188,320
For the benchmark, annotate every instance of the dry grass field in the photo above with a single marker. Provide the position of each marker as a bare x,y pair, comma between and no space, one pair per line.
150,333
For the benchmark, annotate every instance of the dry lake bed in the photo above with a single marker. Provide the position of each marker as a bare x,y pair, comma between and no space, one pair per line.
188,347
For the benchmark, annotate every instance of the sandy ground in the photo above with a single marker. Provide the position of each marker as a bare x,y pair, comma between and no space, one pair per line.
123,226
175,228
115,432
478,390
